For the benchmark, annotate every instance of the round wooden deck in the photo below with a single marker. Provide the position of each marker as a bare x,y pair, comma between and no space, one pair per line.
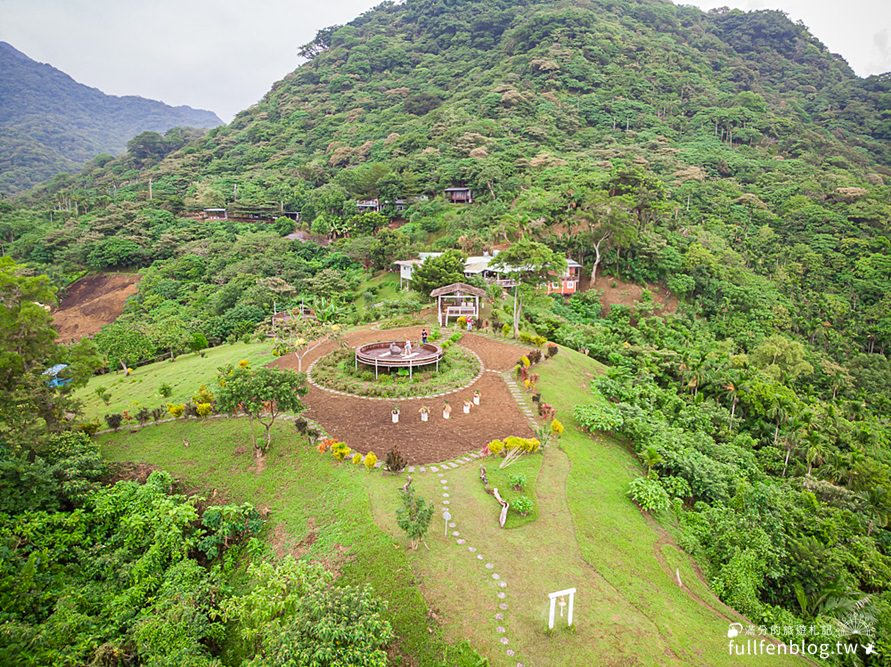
378,355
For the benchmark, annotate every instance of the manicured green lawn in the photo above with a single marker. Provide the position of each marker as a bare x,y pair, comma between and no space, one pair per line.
184,375
316,508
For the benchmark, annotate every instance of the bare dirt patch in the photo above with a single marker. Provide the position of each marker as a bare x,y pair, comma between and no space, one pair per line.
365,424
92,302
618,292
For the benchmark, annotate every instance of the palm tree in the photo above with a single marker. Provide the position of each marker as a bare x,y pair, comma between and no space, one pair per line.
651,457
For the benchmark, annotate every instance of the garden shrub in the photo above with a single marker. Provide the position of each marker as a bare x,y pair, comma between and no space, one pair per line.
203,395
525,445
495,447
370,460
394,462
165,390
518,481
176,410
114,420
602,416
203,409
557,428
552,350
648,494
357,459
522,505
340,450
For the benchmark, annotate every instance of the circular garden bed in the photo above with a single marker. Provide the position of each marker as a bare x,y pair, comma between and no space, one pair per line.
337,371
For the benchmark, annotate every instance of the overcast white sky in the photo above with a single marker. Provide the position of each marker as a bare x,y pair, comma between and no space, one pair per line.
223,55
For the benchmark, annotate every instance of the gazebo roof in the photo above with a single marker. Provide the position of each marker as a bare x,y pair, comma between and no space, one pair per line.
458,288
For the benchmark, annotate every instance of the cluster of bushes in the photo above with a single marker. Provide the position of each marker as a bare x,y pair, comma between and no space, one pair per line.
341,451
512,443
201,405
451,340
532,339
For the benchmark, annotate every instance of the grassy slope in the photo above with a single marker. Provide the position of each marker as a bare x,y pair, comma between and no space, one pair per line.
615,537
323,507
586,533
184,375
387,284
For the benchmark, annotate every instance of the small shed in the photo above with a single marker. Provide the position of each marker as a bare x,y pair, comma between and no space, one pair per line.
459,195
215,214
457,300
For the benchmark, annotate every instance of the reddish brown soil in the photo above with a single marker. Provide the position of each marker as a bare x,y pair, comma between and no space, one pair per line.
365,424
92,302
628,294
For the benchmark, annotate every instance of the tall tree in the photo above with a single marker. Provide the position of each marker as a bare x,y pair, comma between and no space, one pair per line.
530,264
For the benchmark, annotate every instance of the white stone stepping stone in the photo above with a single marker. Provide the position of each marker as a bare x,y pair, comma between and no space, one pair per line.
489,566
503,584
479,556
510,653
505,641
445,502
445,488
452,524
443,481
455,533
501,596
461,540
434,469
439,474
499,617
422,469
500,629
445,495
496,576
471,549
411,468
503,605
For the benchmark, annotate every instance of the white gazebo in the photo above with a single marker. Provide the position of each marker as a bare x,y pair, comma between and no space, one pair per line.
457,300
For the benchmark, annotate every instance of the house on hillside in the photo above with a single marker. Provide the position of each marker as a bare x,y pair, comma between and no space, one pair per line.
480,266
569,282
368,205
459,195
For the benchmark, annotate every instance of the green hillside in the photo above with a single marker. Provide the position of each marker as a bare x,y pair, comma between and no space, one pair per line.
50,123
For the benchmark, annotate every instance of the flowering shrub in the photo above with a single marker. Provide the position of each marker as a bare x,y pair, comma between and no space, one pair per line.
244,363
203,409
325,445
370,460
495,447
557,428
176,410
525,445
357,459
552,350
340,450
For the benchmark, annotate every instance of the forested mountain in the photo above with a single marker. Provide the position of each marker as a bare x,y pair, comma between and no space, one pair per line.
50,123
727,156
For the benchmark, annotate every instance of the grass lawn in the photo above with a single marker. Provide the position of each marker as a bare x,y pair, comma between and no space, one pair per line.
634,557
184,375
585,533
317,508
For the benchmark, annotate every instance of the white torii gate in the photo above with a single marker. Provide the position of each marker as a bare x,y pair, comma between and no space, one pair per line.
554,596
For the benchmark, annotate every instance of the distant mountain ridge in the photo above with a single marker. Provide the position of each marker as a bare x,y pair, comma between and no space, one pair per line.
50,123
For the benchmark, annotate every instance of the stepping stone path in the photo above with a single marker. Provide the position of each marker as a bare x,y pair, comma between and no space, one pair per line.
517,393
501,629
